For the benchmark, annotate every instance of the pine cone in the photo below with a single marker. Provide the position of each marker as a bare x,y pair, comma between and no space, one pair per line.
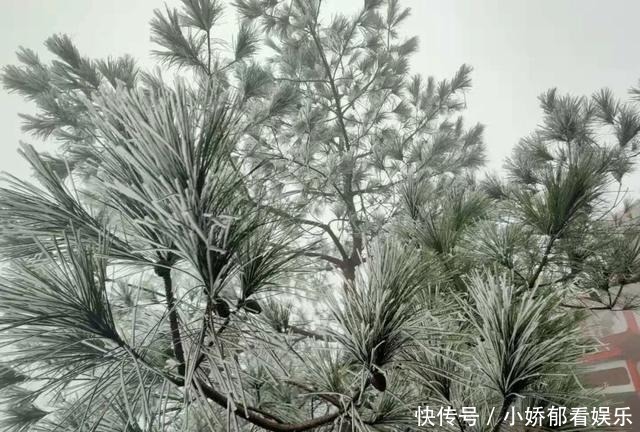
221,307
252,306
378,381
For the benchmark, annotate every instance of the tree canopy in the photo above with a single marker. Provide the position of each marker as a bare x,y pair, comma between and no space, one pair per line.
293,232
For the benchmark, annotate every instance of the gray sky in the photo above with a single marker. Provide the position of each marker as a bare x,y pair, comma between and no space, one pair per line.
518,48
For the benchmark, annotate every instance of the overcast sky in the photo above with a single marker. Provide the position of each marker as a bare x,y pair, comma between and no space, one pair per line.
518,48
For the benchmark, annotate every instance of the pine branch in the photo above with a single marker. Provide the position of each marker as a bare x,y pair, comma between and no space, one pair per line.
332,84
309,334
543,261
164,271
326,228
256,416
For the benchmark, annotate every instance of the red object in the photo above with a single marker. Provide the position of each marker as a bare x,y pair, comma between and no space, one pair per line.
616,366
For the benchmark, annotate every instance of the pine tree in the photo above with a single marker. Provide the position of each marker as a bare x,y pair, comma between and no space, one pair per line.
293,234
